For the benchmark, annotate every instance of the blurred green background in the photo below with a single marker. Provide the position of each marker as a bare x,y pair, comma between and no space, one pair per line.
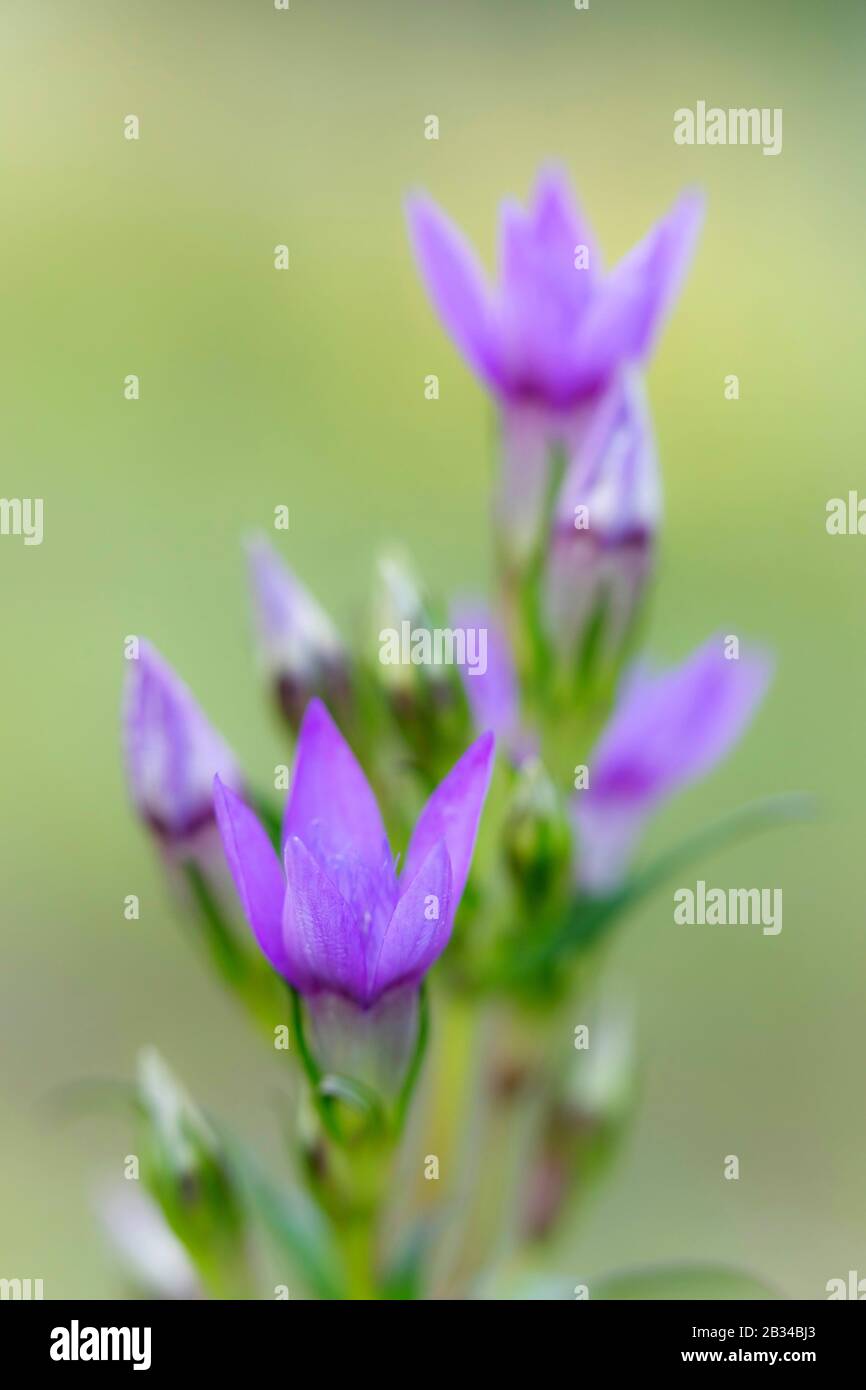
306,388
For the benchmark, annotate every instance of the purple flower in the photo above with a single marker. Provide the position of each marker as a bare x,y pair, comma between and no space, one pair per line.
333,917
605,522
493,696
172,752
300,648
555,331
667,731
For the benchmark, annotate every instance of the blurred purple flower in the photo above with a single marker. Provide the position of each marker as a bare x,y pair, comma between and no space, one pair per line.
667,731
605,522
555,330
552,335
333,918
299,646
172,752
494,696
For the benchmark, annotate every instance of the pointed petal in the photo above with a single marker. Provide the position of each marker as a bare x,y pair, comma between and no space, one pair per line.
420,927
613,471
607,840
560,226
172,751
545,288
295,633
330,805
322,937
612,488
299,647
624,317
256,871
666,732
672,728
452,814
455,283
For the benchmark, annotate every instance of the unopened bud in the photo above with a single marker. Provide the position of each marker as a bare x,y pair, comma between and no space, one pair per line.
537,835
300,649
605,523
185,1169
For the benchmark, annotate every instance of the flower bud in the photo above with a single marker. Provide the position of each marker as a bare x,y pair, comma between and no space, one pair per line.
423,694
537,835
300,649
152,1259
172,755
186,1170
605,522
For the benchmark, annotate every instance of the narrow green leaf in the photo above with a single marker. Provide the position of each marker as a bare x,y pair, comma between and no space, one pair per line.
590,918
768,813
292,1220
404,1277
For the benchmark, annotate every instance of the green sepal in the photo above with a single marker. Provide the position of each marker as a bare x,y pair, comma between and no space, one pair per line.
350,1109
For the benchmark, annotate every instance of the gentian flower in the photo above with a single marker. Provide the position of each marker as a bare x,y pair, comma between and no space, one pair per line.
553,334
333,917
172,755
300,649
605,522
667,731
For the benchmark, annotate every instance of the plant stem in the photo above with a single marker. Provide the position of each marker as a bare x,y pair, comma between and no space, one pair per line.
356,1236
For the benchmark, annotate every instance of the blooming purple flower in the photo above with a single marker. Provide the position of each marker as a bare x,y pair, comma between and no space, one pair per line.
300,648
555,330
172,751
552,335
333,917
667,731
605,522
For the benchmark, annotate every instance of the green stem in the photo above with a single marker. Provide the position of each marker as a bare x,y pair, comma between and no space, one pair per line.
356,1238
225,1277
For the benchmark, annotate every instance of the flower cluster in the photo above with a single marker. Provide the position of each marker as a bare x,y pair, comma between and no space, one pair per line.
325,922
